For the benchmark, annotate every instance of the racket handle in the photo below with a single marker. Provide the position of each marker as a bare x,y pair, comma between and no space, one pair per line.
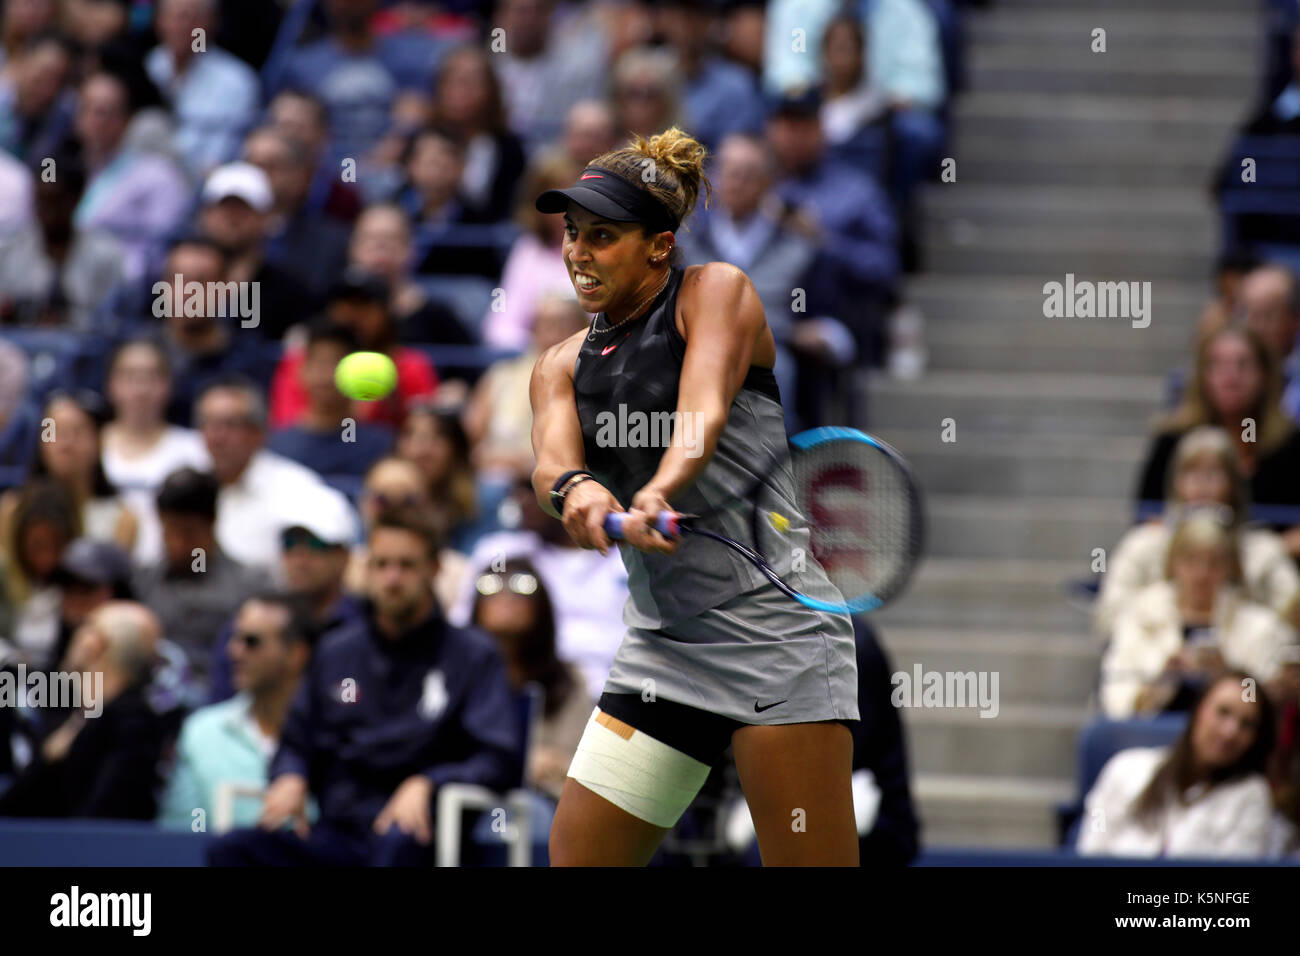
666,524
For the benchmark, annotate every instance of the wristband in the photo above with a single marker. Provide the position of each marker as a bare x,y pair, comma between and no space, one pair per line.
564,484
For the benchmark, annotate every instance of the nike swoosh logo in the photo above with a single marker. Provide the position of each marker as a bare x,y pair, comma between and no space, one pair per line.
759,710
592,176
609,348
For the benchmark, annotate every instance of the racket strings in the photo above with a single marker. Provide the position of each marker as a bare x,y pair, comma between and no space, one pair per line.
861,513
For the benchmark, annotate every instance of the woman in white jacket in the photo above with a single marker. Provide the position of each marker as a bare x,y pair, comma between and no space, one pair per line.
1206,796
1172,635
1203,473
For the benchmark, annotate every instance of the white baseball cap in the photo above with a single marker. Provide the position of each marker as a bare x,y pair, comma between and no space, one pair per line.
242,181
325,513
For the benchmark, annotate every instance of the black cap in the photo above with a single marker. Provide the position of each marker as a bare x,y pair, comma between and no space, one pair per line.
795,101
357,283
93,562
611,197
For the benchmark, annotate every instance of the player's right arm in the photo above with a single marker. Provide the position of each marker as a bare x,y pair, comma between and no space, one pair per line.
557,445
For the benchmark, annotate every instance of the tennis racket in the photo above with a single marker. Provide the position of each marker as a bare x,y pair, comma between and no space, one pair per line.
862,508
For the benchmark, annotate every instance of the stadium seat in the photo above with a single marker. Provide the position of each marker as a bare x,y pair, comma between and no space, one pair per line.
1271,204
455,798
469,297
59,358
1100,741
464,361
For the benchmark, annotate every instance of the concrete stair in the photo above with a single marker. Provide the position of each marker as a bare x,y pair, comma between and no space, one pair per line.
1067,161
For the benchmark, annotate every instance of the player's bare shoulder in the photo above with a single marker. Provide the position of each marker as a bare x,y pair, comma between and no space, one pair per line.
556,363
717,289
701,283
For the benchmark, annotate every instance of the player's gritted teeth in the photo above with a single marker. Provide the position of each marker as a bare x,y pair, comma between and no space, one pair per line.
586,284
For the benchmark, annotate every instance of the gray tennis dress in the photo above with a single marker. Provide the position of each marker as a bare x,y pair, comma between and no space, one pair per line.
705,627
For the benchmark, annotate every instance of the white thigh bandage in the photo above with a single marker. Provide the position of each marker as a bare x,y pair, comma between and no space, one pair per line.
635,772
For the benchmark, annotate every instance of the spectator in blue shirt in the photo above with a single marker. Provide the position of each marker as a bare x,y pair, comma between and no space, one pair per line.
841,209
326,438
719,96
358,74
133,191
228,746
394,705
36,103
213,95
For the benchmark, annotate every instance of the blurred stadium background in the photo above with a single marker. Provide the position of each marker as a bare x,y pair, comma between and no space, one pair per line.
917,169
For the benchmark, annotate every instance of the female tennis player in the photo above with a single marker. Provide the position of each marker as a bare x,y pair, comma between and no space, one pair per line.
713,655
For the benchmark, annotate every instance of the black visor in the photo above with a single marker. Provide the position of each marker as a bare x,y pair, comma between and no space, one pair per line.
611,197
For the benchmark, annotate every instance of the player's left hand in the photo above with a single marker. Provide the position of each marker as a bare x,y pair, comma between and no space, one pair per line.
639,531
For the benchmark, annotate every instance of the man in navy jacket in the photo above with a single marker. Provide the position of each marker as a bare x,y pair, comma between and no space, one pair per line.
395,703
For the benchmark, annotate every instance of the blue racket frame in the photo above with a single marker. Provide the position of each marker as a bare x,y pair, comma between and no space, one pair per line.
671,524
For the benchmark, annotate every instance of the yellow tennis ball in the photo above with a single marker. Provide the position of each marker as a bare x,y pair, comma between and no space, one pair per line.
366,376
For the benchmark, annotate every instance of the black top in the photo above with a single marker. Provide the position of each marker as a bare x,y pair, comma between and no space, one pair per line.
109,771
636,369
1276,480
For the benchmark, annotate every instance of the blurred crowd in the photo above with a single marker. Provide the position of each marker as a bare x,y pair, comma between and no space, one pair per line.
1199,603
307,608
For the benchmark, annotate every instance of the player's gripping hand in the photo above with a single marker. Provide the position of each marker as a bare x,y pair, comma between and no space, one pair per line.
640,531
585,508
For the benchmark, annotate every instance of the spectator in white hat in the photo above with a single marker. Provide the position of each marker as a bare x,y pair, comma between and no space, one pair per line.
237,204
313,559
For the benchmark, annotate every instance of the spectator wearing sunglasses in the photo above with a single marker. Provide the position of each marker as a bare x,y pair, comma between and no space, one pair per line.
588,589
196,586
313,557
228,745
394,705
514,607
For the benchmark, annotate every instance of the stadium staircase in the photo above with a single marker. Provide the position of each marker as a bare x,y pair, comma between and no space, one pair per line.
1068,161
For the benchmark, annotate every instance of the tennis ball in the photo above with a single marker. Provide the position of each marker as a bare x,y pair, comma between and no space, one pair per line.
779,521
366,376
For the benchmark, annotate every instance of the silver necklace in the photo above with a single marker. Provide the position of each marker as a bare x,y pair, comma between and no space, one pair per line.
593,331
